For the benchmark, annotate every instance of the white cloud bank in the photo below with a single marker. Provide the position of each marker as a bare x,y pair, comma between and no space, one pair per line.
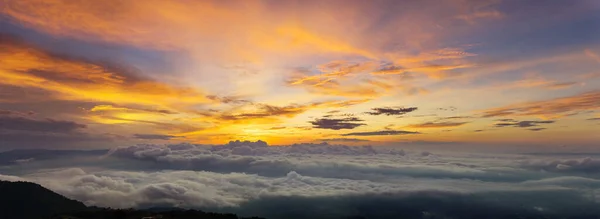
233,175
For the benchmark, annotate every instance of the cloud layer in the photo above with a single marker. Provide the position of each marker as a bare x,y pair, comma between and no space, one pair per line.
250,177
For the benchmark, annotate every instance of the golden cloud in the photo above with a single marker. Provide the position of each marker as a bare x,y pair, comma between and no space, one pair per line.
177,25
552,108
70,79
437,125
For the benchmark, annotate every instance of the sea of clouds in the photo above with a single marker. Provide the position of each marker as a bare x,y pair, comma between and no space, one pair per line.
304,180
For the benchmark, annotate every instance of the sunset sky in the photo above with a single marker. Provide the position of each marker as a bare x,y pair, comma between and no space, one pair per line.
99,74
342,108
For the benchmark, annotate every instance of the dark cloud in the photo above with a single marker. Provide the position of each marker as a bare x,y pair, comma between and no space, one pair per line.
576,165
391,111
266,111
27,139
390,69
426,115
579,113
479,130
344,139
22,130
385,132
107,107
19,123
451,108
9,157
506,120
437,124
229,99
20,94
179,127
523,124
303,127
15,113
154,136
277,128
594,119
337,124
455,117
537,129
561,85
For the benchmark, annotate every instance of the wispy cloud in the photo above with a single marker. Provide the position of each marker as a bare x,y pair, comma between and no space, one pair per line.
437,124
549,108
18,123
384,132
592,55
344,139
154,136
69,78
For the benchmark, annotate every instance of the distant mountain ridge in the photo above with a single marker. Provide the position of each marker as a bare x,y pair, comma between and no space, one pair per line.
27,200
9,157
30,200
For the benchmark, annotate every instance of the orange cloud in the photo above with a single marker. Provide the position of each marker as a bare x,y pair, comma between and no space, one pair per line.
302,37
334,80
471,18
101,108
444,54
160,121
177,25
538,82
329,72
355,90
217,31
70,79
432,71
342,78
345,103
592,55
437,125
549,108
272,113
153,23
252,30
478,10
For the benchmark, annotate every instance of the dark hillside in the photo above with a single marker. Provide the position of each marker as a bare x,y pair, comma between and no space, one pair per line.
26,200
30,200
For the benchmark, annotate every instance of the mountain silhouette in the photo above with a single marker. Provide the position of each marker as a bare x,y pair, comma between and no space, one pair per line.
26,200
30,200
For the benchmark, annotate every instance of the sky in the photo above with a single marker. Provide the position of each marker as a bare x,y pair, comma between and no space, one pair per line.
101,74
291,109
